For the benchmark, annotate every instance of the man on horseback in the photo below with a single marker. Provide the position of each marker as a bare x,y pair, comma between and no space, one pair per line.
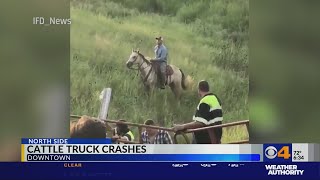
161,54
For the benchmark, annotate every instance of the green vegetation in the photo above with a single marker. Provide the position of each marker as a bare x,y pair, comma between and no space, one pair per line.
206,39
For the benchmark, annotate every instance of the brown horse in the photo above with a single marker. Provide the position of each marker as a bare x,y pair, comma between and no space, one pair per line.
149,74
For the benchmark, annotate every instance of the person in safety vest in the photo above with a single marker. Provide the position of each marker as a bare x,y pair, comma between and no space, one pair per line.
122,132
208,113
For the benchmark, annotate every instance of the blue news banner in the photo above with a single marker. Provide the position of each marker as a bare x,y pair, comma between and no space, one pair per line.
44,155
169,168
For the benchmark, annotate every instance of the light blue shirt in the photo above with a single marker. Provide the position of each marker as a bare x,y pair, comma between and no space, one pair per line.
161,53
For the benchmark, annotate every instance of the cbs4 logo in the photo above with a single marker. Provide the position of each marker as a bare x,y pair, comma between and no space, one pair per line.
271,152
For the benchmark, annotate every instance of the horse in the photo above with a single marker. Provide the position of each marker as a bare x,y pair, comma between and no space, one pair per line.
175,78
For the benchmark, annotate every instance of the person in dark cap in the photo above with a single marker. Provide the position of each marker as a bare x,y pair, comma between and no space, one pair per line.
208,113
161,55
122,132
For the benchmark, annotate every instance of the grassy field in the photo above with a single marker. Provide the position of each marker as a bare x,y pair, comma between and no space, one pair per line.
103,34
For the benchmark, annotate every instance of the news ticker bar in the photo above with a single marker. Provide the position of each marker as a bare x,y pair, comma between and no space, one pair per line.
102,150
161,171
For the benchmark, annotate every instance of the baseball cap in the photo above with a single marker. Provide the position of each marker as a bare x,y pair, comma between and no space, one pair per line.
159,38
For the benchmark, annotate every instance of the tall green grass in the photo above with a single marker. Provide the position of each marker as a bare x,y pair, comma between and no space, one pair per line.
102,35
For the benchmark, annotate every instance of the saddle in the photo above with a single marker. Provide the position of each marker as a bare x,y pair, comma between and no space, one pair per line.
156,66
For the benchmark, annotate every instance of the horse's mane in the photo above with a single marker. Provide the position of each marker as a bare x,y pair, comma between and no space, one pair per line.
143,57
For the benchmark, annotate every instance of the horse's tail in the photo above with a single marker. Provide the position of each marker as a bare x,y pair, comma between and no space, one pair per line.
186,82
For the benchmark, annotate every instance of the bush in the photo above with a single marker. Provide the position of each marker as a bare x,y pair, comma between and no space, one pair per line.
232,57
237,17
206,29
106,8
166,7
190,12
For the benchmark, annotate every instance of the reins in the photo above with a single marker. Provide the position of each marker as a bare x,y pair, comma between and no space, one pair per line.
138,65
139,68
